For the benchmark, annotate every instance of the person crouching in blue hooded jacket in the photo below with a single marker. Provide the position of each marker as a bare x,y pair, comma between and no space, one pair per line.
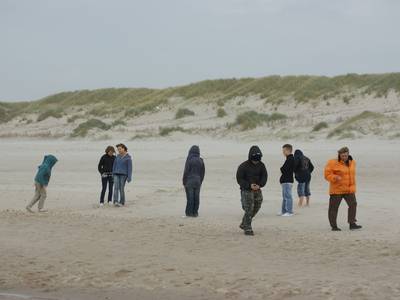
192,180
42,179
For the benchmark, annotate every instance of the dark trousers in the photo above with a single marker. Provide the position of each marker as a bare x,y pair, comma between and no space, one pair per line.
107,180
251,204
334,203
192,201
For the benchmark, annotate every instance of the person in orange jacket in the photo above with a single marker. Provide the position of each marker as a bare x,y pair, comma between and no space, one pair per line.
341,174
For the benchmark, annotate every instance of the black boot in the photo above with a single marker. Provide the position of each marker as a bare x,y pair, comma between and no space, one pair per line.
241,226
336,229
249,232
354,226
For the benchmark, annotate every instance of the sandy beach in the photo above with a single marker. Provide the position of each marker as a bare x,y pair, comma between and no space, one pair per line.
147,251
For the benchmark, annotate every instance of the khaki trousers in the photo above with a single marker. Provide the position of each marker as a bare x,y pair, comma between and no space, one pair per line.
40,195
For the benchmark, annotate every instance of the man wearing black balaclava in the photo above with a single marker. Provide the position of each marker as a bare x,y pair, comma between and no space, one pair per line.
251,177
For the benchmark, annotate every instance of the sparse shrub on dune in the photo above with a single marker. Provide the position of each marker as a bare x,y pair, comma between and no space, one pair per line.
319,126
51,113
83,128
364,123
252,119
73,119
164,131
118,123
221,112
183,112
141,109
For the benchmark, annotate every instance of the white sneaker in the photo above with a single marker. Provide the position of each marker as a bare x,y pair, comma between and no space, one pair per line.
279,214
101,204
287,215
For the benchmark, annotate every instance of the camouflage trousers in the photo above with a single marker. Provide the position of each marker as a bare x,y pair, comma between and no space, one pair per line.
251,204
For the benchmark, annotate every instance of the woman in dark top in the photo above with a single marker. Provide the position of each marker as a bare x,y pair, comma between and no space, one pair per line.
303,168
105,168
193,176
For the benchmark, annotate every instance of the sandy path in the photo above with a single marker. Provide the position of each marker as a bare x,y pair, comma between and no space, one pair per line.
148,251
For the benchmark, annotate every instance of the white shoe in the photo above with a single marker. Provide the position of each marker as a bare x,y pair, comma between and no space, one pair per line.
43,210
110,203
117,204
279,214
101,204
287,215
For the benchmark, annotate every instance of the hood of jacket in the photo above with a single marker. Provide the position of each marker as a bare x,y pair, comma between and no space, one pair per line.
49,160
194,152
298,153
254,150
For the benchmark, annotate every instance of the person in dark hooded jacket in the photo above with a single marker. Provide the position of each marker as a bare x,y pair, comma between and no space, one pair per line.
303,168
42,180
193,177
251,176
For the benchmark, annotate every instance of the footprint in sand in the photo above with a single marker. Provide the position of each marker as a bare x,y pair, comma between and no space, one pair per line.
122,273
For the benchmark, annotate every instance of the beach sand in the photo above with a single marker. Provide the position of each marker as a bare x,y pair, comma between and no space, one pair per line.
147,251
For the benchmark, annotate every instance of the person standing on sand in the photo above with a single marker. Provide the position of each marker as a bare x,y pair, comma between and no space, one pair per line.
341,175
287,181
251,177
42,180
303,168
122,173
105,168
192,180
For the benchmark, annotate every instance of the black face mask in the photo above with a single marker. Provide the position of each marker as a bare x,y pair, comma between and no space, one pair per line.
256,157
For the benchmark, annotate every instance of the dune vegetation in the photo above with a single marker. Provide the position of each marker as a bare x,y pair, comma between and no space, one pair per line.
285,104
135,101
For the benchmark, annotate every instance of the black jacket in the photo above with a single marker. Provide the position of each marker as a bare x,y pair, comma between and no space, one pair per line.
287,170
194,172
303,167
106,164
250,173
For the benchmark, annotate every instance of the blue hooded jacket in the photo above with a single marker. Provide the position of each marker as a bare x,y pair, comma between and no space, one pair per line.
123,166
44,170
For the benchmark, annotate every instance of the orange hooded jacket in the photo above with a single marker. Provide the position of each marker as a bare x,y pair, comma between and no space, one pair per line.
342,177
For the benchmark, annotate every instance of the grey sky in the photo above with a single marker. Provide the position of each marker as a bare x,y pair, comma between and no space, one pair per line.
48,46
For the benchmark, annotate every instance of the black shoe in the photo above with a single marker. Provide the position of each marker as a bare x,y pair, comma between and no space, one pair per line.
354,226
336,229
249,232
241,226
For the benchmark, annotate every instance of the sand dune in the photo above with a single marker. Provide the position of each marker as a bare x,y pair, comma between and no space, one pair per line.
147,251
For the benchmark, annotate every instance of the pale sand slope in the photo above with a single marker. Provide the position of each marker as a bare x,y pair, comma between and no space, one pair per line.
147,251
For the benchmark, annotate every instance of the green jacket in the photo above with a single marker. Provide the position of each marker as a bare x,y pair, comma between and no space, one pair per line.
44,170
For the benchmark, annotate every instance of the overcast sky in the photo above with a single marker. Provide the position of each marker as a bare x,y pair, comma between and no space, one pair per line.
48,46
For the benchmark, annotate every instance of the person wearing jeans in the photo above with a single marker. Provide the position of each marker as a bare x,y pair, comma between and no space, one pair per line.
193,177
122,173
105,168
119,189
286,181
287,199
251,176
341,175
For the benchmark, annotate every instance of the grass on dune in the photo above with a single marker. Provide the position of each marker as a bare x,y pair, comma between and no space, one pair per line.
365,122
135,101
82,129
252,119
